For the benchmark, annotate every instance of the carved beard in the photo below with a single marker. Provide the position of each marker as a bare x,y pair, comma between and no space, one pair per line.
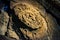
39,24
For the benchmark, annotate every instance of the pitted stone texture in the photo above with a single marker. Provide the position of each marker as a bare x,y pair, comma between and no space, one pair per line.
29,15
34,16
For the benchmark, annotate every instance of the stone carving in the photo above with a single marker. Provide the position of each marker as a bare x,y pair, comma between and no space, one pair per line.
4,19
35,17
28,21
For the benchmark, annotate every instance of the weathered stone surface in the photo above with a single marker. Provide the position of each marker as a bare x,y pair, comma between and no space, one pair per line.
2,37
30,15
33,15
30,21
10,31
12,34
4,18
